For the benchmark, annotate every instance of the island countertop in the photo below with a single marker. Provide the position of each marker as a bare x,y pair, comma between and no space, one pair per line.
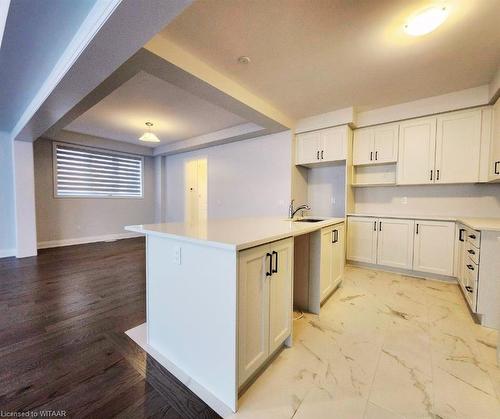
236,233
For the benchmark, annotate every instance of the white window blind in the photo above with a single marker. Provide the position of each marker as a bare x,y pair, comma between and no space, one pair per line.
84,172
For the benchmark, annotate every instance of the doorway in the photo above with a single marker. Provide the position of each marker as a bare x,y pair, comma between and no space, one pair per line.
196,209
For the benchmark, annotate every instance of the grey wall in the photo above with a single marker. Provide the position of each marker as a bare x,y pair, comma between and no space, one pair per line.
477,200
245,178
77,218
7,217
326,190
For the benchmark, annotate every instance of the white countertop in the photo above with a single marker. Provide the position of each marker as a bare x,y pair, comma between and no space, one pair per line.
476,223
235,234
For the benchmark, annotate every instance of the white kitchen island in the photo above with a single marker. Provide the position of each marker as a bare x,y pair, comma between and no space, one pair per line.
220,298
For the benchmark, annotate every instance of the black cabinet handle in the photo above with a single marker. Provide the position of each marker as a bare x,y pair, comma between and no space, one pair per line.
374,226
470,267
497,172
275,269
472,236
335,236
471,252
417,228
380,226
431,174
460,234
371,155
270,271
468,288
322,154
437,174
376,155
317,155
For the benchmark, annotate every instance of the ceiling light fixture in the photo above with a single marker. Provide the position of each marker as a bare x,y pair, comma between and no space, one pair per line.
426,21
244,59
148,136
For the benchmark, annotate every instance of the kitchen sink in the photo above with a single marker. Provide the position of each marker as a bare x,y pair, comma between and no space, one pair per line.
307,220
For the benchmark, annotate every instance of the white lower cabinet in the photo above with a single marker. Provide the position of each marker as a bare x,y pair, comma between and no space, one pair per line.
332,259
434,247
264,303
395,243
419,245
362,239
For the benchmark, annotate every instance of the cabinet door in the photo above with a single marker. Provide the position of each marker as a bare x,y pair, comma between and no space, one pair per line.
434,246
417,144
386,143
395,243
253,310
362,239
338,255
494,167
280,293
362,146
308,148
458,142
325,283
333,144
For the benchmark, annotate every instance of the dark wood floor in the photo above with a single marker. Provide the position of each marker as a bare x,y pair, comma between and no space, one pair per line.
62,344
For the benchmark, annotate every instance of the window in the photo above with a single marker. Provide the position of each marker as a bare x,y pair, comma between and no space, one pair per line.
87,172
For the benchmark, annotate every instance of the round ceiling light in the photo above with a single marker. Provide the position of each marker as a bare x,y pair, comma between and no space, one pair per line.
426,21
148,136
244,59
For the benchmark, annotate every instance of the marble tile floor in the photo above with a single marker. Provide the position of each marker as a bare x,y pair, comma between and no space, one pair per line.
384,346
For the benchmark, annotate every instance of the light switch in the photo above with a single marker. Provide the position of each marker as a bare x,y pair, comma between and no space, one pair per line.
177,255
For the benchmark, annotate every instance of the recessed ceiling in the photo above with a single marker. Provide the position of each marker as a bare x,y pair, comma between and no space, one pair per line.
36,35
309,58
175,113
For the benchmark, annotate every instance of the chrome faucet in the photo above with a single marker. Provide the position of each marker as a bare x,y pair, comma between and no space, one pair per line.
292,212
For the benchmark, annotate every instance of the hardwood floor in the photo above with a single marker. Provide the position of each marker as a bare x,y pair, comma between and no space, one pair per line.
62,341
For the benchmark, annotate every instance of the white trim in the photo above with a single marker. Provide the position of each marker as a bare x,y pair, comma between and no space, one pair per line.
7,253
97,16
4,12
85,240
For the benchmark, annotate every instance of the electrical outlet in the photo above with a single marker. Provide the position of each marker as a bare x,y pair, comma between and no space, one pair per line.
404,200
333,200
177,255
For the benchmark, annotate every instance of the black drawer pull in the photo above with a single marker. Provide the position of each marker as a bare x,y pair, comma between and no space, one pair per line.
471,252
472,236
470,267
317,155
276,262
460,236
469,288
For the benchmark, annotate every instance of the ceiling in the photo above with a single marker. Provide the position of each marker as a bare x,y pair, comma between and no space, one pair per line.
309,58
175,113
36,35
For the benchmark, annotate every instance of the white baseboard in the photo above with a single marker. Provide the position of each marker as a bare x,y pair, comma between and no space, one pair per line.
6,253
84,240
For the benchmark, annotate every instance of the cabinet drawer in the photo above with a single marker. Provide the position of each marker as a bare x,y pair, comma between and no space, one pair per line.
474,237
471,270
472,252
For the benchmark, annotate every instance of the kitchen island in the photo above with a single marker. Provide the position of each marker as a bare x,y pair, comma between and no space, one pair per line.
220,297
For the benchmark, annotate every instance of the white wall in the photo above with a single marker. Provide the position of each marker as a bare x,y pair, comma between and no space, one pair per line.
73,220
476,200
7,217
326,190
245,178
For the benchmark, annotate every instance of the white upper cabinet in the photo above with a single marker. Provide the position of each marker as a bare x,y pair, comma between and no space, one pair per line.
395,243
417,145
308,148
375,145
362,239
322,146
362,146
494,155
458,143
434,247
334,144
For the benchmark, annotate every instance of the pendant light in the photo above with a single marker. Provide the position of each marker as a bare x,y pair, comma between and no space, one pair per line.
148,136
